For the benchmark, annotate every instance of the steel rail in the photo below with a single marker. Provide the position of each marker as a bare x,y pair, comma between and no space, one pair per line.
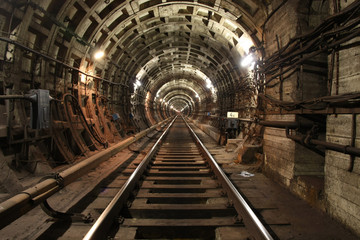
104,222
18,205
251,221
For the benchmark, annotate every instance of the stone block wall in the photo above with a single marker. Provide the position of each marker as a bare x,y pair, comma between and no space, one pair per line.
285,159
279,151
342,185
290,163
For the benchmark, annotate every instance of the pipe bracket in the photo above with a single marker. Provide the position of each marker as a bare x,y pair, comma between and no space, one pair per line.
59,180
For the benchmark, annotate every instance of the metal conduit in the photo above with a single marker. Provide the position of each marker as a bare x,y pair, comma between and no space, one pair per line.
15,207
307,140
346,149
287,124
250,219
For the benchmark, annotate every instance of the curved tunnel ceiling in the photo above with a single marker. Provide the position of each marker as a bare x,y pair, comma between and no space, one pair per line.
156,42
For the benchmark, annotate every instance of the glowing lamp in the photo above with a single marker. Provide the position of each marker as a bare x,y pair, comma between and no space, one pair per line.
99,54
247,61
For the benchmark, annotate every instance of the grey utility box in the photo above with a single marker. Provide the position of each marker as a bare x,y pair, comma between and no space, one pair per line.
40,108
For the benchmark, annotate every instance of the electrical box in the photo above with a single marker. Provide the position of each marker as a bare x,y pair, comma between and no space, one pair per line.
232,123
231,127
40,108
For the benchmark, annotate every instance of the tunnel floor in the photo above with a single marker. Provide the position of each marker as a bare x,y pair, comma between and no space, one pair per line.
288,216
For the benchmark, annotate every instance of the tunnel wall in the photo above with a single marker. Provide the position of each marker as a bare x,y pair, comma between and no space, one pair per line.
284,159
279,152
337,188
342,185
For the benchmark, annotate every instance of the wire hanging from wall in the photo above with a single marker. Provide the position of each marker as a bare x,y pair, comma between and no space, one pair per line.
328,36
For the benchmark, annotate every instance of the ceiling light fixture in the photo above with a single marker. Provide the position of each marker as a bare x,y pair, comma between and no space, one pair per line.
99,54
249,59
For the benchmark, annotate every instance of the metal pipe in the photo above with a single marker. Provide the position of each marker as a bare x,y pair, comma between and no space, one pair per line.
287,124
307,141
14,97
23,202
301,140
104,222
242,207
346,149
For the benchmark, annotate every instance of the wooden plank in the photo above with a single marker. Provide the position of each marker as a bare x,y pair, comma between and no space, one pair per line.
169,154
179,159
154,178
180,147
171,186
205,172
195,151
180,181
144,193
229,232
182,158
213,222
178,211
188,163
193,207
180,168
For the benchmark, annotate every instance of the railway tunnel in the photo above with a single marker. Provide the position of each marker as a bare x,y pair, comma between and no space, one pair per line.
271,87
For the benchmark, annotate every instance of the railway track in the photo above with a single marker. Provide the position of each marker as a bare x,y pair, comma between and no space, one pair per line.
178,192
